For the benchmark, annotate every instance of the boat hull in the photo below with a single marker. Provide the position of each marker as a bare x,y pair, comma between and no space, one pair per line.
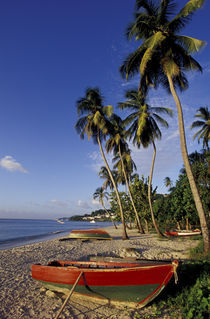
89,234
129,284
183,233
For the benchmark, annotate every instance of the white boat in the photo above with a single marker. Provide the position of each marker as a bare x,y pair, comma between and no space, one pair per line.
59,221
92,221
184,233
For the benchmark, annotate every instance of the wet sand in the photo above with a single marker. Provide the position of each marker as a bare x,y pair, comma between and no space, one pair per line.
22,297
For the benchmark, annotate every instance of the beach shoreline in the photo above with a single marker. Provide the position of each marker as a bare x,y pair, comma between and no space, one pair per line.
22,297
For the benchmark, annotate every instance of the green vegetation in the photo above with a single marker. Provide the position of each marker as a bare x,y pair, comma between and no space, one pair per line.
99,213
176,209
190,298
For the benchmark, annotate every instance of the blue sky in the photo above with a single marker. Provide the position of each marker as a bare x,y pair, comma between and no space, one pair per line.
51,51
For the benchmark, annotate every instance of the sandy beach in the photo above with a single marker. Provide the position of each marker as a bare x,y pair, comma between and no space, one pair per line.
22,297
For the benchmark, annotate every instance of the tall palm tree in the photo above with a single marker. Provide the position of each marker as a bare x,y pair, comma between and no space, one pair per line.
94,122
204,125
162,58
118,145
100,194
144,130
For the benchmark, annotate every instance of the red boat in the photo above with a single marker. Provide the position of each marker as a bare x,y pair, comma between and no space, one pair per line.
131,284
89,234
183,233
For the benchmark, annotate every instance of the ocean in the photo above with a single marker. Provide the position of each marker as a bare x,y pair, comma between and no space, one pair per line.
20,232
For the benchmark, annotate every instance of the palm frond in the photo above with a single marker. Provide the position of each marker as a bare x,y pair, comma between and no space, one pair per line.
152,44
108,110
204,113
197,124
170,67
130,67
204,124
165,11
191,45
163,110
148,5
185,14
142,27
162,121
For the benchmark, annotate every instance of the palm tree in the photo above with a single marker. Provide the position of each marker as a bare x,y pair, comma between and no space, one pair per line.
128,163
104,174
94,122
100,194
204,125
144,130
117,143
168,182
162,58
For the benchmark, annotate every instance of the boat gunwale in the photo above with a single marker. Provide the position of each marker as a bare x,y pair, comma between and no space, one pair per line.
89,237
123,266
86,231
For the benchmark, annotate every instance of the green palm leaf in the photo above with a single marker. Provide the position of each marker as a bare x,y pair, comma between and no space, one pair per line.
185,14
204,124
152,43
192,45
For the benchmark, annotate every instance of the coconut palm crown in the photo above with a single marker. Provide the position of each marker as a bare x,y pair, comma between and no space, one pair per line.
204,124
94,116
163,50
144,118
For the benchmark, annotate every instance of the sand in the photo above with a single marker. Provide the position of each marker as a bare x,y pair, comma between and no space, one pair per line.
22,297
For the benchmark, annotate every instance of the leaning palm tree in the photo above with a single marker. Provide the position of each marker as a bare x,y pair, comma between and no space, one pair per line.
100,194
204,124
144,130
162,58
118,145
94,123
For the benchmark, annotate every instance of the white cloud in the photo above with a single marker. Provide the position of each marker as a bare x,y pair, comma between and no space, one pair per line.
95,202
11,165
58,203
173,135
97,161
82,204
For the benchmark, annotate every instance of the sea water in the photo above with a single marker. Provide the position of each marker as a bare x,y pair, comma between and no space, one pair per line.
19,232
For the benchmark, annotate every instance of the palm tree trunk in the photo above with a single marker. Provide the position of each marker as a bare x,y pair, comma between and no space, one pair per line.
195,193
147,227
140,228
187,223
124,235
109,214
149,192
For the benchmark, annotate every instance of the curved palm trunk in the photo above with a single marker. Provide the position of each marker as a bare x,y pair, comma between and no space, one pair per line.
124,235
102,203
195,193
149,192
131,197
